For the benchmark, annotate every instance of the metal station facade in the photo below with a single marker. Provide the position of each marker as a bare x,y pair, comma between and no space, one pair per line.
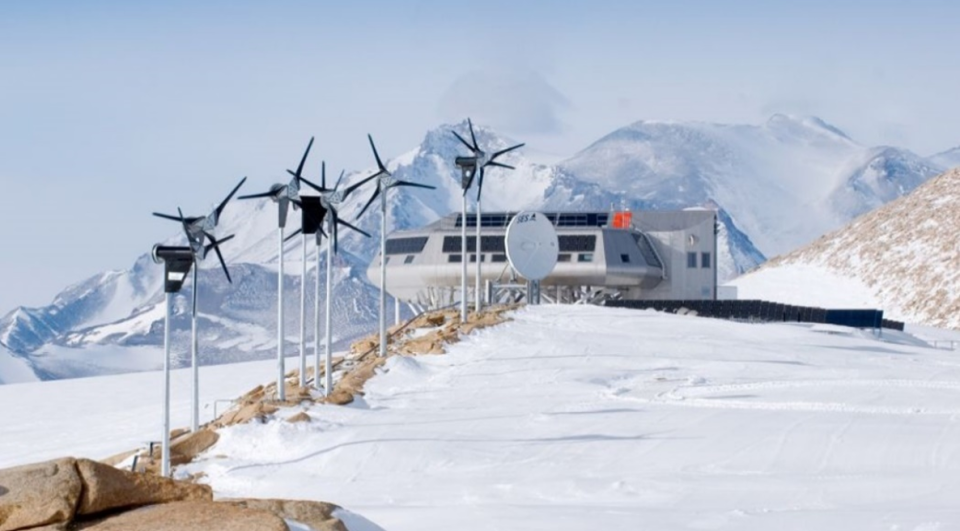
640,255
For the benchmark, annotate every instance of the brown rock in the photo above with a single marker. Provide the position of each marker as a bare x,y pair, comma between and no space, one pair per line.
115,460
190,445
300,417
50,527
317,515
189,516
106,488
39,494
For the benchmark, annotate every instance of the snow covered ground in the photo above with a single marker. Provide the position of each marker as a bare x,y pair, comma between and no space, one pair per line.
574,417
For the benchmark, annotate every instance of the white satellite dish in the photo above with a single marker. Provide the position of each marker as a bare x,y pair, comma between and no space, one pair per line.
532,245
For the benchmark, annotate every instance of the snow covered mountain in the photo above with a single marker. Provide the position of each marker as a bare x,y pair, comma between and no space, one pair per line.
765,181
784,183
949,158
902,257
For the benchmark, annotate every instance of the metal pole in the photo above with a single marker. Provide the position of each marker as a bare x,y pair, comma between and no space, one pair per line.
194,362
328,318
383,273
303,309
316,312
165,436
476,293
396,311
281,390
463,261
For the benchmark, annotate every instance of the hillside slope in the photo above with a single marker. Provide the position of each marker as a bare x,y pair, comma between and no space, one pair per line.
572,418
904,257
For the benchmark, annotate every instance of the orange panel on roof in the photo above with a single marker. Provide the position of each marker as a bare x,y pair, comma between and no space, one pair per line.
622,220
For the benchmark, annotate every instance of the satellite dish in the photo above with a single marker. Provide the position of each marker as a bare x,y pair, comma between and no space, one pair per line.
532,245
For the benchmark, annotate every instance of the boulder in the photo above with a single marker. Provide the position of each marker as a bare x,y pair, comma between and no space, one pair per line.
189,516
39,494
190,445
299,417
317,515
106,488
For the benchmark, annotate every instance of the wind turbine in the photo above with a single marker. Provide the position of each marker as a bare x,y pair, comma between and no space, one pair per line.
385,181
283,195
198,229
327,208
481,160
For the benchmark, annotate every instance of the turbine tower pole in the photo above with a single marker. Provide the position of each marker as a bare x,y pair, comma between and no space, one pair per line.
303,309
328,319
194,362
281,391
463,259
383,273
478,299
165,437
316,311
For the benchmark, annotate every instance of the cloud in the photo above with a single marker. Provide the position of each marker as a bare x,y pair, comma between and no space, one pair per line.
516,100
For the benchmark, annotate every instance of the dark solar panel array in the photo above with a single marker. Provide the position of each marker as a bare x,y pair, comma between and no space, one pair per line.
411,245
578,243
488,244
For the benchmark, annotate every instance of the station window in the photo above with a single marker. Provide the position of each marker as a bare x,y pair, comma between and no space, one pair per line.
691,260
705,260
585,257
386,260
408,259
499,258
454,258
625,258
563,257
473,258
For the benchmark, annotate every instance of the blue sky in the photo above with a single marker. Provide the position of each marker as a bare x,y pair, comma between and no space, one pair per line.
110,110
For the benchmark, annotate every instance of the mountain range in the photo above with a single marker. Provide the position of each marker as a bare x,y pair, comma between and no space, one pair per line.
777,186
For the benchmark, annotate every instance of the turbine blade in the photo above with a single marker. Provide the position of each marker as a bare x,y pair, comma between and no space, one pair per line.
304,159
372,197
335,234
323,173
476,147
352,227
223,264
227,200
167,216
508,150
464,142
295,233
480,184
339,179
418,185
354,186
320,189
376,155
500,165
256,196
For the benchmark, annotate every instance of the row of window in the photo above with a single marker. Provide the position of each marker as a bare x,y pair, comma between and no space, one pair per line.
569,243
565,219
499,258
692,260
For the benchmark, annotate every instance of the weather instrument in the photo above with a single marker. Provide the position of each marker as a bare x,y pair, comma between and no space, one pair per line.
316,210
385,181
177,261
199,232
480,160
283,195
532,249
